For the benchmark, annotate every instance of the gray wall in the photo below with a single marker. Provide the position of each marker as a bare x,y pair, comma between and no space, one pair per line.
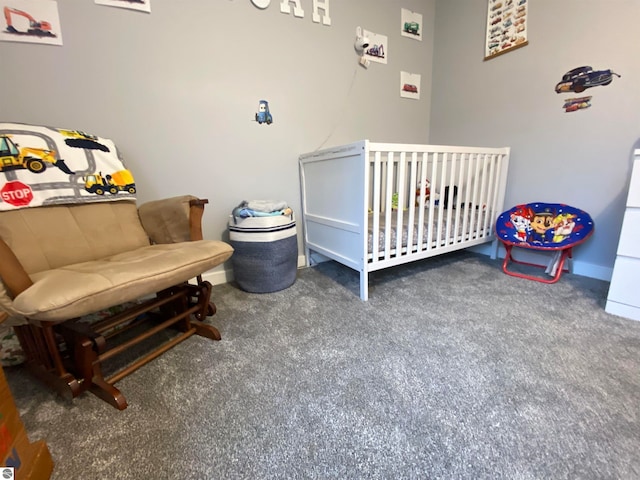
177,90
581,158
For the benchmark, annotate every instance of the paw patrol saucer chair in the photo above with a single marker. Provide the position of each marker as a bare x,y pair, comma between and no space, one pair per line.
550,227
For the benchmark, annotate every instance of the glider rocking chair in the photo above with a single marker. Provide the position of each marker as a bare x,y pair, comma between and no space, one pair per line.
62,262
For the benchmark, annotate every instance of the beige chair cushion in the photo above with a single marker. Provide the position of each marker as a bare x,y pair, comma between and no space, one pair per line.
166,220
78,289
46,238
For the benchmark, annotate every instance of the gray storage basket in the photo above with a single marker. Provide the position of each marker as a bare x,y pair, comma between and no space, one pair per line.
266,252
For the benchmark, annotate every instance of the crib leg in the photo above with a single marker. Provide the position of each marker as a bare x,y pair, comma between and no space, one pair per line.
364,286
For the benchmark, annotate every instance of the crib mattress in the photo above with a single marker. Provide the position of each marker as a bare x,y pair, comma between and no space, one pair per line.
475,221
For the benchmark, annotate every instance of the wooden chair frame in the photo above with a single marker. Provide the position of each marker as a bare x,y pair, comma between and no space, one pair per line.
69,356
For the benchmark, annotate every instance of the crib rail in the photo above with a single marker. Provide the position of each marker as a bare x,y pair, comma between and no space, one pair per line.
455,191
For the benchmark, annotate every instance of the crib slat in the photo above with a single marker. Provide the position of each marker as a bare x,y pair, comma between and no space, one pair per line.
459,159
377,183
451,232
440,158
421,201
473,193
453,200
483,191
491,200
486,198
401,201
477,187
493,205
388,210
432,202
478,196
411,202
467,196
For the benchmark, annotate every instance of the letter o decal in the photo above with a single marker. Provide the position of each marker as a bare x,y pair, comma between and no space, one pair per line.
261,3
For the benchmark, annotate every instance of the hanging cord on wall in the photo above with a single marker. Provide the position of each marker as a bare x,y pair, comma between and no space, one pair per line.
344,106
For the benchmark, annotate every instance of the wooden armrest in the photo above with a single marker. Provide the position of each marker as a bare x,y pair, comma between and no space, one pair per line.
11,271
171,220
196,210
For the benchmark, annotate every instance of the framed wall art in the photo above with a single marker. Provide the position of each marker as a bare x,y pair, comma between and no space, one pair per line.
506,26
31,21
140,5
410,24
378,49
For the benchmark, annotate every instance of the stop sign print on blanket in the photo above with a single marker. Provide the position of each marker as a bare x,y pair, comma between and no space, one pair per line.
16,193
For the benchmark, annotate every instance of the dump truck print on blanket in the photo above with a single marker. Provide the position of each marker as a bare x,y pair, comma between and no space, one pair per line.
47,166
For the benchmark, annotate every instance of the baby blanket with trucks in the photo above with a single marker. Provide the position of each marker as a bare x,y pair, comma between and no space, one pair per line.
47,166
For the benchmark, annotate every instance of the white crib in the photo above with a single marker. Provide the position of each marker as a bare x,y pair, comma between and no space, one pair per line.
363,205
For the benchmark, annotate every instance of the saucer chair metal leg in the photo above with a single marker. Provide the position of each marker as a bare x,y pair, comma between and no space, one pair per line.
566,254
508,258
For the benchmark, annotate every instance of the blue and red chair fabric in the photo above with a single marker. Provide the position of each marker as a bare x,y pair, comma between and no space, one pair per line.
552,227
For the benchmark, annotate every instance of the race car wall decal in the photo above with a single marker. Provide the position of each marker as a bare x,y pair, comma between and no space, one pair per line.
581,78
575,104
578,80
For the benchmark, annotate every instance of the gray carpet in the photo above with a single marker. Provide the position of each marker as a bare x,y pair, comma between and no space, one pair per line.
451,370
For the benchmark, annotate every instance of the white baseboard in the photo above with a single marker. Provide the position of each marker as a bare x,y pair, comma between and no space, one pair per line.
316,258
218,277
592,271
622,310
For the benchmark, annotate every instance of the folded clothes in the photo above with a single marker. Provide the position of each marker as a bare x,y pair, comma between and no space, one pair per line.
261,208
266,205
248,212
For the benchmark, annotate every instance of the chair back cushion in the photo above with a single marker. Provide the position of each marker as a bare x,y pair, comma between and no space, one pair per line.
45,238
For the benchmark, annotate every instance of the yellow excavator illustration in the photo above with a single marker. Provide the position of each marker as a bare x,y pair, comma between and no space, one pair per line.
120,181
14,157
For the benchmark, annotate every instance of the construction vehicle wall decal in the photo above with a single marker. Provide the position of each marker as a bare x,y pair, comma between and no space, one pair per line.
120,181
376,51
411,27
13,157
39,29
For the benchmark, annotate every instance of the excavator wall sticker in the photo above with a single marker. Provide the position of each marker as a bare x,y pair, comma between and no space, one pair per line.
36,28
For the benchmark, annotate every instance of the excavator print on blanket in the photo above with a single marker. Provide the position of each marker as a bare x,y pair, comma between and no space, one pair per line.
14,157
